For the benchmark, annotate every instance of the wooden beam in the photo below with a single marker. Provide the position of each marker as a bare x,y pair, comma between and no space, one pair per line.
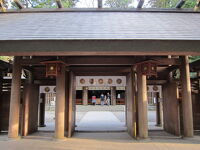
180,4
103,69
157,82
59,3
168,10
105,60
99,60
140,3
19,4
197,6
166,61
98,47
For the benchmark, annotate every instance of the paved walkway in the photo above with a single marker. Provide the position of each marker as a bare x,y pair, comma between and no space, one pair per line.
100,121
99,118
98,141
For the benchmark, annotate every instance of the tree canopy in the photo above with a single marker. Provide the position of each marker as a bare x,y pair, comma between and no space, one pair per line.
46,3
170,3
118,3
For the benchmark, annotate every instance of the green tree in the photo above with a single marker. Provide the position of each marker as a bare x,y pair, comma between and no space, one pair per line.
118,3
194,58
46,3
6,58
170,3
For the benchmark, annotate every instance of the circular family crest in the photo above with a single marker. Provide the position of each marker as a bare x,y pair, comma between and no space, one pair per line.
119,81
155,88
46,89
82,81
110,81
54,89
91,81
100,81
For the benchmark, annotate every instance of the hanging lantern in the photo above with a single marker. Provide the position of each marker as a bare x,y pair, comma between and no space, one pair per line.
148,67
53,68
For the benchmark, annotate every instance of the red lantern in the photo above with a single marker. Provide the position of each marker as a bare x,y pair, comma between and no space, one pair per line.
53,68
148,67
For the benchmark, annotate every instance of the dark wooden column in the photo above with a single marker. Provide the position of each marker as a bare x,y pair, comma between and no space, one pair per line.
1,94
131,118
158,110
60,104
186,97
142,105
42,110
26,102
13,131
113,95
85,95
72,105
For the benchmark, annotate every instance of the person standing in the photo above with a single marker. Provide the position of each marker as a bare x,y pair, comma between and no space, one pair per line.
102,99
94,100
108,99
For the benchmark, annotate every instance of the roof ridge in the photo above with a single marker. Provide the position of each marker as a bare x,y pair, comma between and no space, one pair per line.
47,10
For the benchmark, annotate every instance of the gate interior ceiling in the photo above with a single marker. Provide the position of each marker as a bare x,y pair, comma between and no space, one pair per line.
98,66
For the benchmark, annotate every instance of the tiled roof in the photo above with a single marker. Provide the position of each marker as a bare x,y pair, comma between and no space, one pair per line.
99,25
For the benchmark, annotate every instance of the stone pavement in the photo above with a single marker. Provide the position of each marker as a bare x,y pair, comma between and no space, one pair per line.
158,140
99,118
100,121
97,141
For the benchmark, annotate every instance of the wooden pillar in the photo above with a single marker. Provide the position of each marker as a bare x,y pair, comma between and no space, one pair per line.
198,75
186,97
131,108
67,81
142,105
71,105
60,104
13,130
99,3
158,110
113,95
85,95
42,110
1,94
26,101
26,104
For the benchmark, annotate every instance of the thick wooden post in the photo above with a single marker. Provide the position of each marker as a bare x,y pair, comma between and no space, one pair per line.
85,95
60,104
99,3
186,97
26,110
158,110
71,105
1,85
113,95
131,108
142,105
13,131
42,110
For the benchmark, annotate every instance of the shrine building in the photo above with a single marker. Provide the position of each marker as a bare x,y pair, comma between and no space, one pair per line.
125,52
